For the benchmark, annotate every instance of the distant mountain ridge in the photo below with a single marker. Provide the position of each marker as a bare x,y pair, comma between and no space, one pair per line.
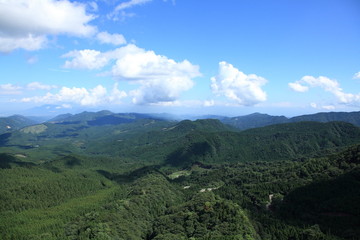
106,117
101,118
253,120
256,120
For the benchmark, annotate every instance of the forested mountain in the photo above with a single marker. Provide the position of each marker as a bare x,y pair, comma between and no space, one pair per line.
135,176
254,120
99,118
260,120
350,117
14,122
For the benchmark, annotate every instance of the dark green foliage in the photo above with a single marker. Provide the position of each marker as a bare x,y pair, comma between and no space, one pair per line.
5,160
291,141
129,216
327,203
205,216
126,176
4,138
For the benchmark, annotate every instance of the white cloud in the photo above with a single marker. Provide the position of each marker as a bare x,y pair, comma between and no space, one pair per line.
326,107
93,59
64,106
161,79
10,89
85,59
296,86
120,11
329,107
116,94
180,103
114,39
26,24
28,42
235,85
313,105
356,75
39,86
32,59
93,6
328,85
209,103
129,4
82,96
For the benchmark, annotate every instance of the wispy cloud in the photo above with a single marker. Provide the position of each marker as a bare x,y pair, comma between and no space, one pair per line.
32,60
120,12
39,86
114,39
129,4
10,89
356,75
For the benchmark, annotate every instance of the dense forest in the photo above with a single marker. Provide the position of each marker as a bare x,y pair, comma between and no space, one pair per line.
134,176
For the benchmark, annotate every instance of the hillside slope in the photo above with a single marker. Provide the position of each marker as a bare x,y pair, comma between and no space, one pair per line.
14,122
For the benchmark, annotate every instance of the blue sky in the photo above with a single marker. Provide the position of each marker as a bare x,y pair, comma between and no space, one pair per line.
229,57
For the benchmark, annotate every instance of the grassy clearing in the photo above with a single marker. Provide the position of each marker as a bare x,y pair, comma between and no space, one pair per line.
179,174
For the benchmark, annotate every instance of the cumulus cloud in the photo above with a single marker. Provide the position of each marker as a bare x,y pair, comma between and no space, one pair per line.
26,24
93,59
329,85
357,75
235,85
161,79
92,97
10,89
114,39
39,86
85,59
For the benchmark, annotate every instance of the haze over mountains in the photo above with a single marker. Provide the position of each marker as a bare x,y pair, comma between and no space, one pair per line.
241,122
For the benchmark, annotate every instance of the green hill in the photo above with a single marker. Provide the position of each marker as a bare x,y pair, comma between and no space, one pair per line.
15,122
291,141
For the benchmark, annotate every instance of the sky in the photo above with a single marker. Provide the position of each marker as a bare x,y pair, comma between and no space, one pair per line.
228,57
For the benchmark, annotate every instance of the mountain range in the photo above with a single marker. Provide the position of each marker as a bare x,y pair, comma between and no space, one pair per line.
241,122
104,175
